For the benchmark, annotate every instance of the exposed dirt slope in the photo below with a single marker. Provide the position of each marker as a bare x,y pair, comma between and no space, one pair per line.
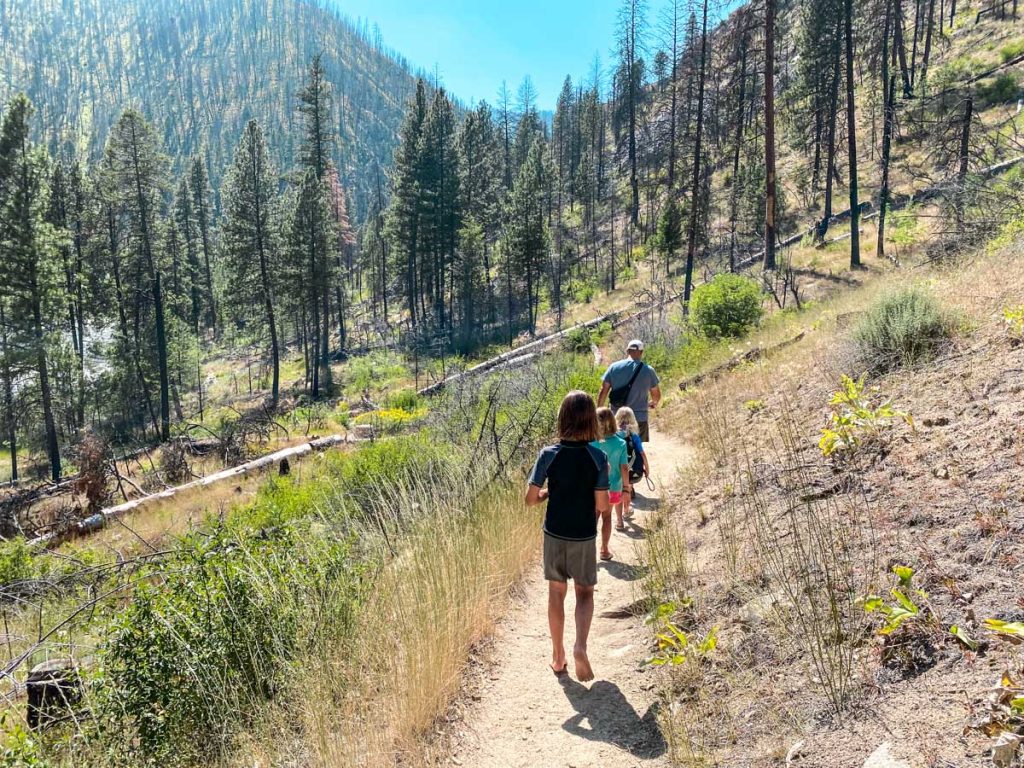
944,498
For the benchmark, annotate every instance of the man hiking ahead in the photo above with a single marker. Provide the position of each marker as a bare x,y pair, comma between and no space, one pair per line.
633,383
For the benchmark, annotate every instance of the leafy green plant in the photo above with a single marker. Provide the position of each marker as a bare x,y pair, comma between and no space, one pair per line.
856,414
910,628
728,306
15,561
905,227
1013,319
406,399
754,406
1013,631
902,608
902,328
674,646
19,749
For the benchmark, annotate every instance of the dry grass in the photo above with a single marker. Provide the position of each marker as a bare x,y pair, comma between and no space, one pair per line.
377,701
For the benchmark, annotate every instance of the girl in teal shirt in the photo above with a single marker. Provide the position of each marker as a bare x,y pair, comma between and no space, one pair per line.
614,447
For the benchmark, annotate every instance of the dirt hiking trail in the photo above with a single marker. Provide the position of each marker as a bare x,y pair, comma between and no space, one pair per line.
520,714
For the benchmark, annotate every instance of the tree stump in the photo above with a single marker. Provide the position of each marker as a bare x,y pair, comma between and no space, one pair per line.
53,688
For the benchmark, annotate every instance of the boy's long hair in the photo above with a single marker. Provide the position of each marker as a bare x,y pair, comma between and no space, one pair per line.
626,420
606,421
577,417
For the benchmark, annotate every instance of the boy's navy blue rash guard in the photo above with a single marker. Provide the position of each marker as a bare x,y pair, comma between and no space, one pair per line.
573,469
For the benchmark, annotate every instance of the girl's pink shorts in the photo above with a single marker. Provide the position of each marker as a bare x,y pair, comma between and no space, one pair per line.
615,497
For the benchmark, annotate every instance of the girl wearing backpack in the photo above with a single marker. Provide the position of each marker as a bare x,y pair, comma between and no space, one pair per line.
629,431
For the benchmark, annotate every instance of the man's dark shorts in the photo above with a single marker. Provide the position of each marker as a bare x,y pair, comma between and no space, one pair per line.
645,431
576,560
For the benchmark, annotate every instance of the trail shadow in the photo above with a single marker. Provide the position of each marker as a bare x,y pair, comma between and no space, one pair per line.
646,503
634,530
631,610
622,571
611,719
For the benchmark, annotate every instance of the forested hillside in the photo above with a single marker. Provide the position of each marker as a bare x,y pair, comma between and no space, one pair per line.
199,70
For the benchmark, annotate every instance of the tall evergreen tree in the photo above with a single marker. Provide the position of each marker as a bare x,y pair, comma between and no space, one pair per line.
135,172
251,254
199,185
630,87
29,262
526,234
438,182
404,211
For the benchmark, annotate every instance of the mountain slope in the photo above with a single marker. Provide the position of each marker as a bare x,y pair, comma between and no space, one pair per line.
199,69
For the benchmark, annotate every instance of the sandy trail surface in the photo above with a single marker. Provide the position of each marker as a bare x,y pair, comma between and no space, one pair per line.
520,714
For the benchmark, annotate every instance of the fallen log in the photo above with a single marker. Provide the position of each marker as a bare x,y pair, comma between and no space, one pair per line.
531,349
750,356
100,519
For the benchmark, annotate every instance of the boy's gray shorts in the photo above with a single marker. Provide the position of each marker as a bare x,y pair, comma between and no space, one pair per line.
576,560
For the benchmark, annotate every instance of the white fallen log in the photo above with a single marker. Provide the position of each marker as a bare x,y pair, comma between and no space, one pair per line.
101,518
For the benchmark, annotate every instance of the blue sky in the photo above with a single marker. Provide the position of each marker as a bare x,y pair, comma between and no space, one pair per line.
477,44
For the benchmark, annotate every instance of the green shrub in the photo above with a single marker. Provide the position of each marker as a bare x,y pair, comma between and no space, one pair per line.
1011,50
580,339
1000,90
727,306
209,638
902,328
15,561
406,399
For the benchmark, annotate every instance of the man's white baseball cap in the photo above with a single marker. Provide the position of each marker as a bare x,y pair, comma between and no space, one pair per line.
635,344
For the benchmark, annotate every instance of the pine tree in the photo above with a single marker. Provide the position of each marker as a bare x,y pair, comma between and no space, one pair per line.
697,165
135,172
311,243
251,254
318,140
199,184
480,185
851,134
438,183
630,88
403,216
668,238
769,135
29,261
526,234
187,294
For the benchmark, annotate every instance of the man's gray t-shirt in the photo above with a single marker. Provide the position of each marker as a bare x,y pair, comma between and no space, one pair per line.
618,375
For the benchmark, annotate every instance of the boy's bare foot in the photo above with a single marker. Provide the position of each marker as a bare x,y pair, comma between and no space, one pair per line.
606,556
558,664
583,671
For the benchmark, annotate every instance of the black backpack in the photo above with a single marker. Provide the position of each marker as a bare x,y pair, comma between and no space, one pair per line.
634,459
618,396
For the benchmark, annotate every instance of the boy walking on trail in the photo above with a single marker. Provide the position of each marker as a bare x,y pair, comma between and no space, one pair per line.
614,447
632,382
576,474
